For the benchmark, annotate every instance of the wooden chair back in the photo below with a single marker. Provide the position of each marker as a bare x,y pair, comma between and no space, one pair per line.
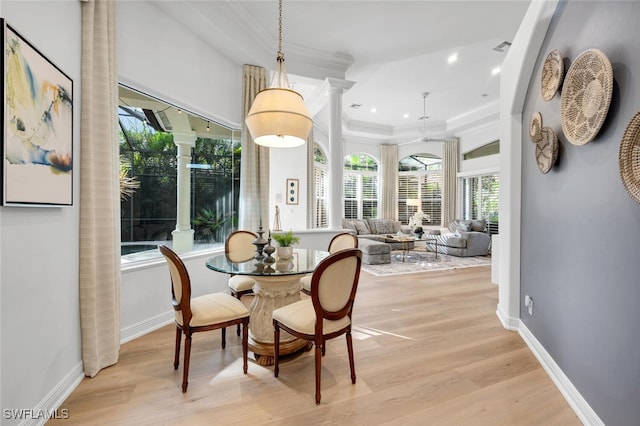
334,284
180,284
343,241
238,246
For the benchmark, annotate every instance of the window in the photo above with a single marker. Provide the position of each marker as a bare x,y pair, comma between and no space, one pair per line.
320,178
480,199
148,158
420,177
360,187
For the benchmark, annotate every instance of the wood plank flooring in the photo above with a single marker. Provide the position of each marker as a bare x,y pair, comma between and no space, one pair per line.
429,350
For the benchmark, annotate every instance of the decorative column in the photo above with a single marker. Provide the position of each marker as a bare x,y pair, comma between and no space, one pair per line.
336,153
183,234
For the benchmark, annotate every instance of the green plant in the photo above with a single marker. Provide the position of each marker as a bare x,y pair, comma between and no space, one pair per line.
208,223
286,239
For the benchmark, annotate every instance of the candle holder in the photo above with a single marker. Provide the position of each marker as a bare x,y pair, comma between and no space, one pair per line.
259,242
268,250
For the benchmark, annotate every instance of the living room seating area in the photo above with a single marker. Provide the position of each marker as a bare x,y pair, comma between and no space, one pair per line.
462,238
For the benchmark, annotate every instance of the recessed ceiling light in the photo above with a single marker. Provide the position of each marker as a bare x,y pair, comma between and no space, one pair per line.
373,110
495,71
406,115
452,58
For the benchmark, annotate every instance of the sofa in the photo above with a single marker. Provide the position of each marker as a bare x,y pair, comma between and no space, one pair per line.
462,238
379,230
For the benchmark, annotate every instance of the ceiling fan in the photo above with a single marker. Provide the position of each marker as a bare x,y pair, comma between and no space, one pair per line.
423,137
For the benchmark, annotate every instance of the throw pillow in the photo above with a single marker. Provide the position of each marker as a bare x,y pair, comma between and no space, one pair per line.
361,228
464,226
445,231
349,224
385,227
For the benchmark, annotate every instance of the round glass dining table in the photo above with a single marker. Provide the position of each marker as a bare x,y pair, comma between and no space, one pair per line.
276,285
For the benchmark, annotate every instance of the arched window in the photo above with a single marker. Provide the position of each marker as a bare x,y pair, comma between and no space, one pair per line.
320,183
360,187
420,187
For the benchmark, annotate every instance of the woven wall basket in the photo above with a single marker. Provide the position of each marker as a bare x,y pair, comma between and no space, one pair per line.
552,74
535,127
547,149
629,158
586,96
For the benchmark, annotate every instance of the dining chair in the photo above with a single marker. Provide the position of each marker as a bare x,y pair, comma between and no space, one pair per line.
338,242
238,247
327,313
203,313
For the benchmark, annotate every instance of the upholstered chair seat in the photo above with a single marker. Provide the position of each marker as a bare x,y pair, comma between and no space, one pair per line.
301,317
241,284
214,308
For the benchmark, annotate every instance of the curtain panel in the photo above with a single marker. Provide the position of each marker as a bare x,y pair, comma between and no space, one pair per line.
254,168
312,204
99,189
389,182
450,168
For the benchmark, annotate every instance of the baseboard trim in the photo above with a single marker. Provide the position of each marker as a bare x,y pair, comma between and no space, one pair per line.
579,405
507,322
140,329
50,406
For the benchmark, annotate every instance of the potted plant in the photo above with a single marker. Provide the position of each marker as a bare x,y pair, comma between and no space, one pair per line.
285,241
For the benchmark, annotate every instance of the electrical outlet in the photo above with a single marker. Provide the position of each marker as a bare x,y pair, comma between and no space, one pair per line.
528,302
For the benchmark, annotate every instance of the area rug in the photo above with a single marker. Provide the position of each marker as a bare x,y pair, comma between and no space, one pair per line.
424,262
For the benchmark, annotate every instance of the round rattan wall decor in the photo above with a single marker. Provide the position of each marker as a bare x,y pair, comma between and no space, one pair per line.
547,149
586,96
629,158
552,74
535,127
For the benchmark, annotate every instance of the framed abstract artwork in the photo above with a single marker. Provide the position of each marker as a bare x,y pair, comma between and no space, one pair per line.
37,140
292,191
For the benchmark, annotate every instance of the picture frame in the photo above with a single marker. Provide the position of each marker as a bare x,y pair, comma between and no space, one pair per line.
292,191
37,125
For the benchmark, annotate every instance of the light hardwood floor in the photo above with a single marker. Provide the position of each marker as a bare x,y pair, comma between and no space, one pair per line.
429,350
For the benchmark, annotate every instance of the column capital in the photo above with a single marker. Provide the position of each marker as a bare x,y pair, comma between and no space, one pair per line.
335,84
185,138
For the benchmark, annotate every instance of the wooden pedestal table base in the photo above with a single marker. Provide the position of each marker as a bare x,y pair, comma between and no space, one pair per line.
271,293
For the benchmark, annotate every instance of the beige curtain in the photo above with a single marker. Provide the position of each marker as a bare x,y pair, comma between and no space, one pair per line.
389,182
450,167
311,184
99,189
254,168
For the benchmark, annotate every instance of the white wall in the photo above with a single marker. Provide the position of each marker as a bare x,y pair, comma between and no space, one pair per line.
39,246
176,66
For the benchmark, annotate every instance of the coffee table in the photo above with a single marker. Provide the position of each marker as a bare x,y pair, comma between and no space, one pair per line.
429,239
406,243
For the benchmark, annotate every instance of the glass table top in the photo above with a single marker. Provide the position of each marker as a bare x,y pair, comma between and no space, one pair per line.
304,261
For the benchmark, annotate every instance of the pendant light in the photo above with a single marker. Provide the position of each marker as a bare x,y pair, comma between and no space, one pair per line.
278,117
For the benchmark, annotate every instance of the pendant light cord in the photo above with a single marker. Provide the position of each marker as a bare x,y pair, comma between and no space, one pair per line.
280,78
280,54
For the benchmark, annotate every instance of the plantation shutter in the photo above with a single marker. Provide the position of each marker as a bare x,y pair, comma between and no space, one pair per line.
350,196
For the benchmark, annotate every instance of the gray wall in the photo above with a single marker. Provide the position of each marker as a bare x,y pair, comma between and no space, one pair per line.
580,229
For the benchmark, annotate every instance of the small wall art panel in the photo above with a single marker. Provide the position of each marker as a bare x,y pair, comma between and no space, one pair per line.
37,142
292,191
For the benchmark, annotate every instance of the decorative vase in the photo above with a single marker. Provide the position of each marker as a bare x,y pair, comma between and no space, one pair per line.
284,252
